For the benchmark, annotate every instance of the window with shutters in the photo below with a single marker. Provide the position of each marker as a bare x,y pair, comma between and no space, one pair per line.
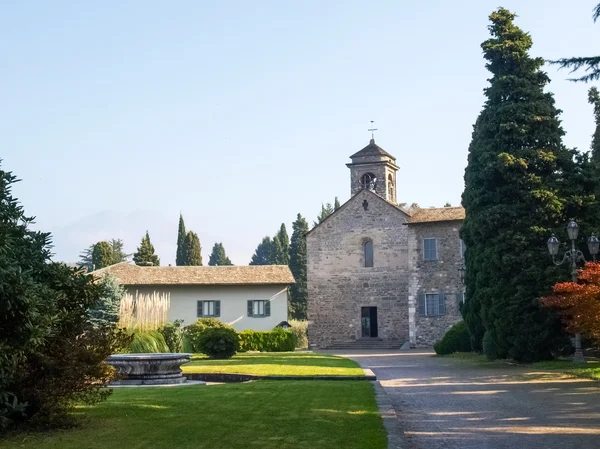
259,308
432,304
430,251
368,253
208,309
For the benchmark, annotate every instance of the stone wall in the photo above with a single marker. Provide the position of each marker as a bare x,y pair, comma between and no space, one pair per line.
338,282
439,276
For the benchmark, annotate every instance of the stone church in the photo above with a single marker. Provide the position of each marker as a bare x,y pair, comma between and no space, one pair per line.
380,275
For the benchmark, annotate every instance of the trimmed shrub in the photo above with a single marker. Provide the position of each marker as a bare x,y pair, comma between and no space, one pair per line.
148,342
457,339
218,342
173,335
277,340
193,332
490,346
300,330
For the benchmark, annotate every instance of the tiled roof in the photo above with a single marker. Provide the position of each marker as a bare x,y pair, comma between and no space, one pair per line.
372,149
437,214
129,274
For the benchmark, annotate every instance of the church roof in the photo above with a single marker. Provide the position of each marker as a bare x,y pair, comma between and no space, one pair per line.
437,214
372,150
129,274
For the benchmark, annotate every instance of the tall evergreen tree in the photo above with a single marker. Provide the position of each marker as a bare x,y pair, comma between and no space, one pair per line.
284,239
118,254
102,255
263,255
594,99
180,256
515,194
326,210
298,291
145,256
86,258
218,256
193,250
278,256
336,204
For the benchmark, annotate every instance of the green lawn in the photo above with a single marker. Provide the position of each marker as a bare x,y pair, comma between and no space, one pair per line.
262,414
276,364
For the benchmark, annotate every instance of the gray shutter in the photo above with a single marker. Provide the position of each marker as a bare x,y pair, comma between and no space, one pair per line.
217,308
437,253
422,305
441,304
199,308
267,308
250,309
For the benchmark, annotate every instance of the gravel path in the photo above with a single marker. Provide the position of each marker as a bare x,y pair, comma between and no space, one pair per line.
448,403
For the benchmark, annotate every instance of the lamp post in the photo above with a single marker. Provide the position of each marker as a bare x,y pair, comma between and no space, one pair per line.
572,257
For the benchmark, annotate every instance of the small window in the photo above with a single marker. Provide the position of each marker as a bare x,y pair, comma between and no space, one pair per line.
259,308
368,181
208,308
390,187
368,253
432,304
430,249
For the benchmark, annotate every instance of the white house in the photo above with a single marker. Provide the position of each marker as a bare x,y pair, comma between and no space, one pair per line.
246,297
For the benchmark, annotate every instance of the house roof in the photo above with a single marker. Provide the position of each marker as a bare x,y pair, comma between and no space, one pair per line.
129,274
372,149
437,214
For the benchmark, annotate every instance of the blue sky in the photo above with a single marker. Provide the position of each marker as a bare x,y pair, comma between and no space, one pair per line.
119,115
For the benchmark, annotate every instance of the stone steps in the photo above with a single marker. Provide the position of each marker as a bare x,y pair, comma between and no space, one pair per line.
373,344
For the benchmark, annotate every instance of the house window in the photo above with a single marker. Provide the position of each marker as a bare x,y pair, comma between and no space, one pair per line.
368,253
432,304
430,249
259,308
208,308
368,181
462,249
390,187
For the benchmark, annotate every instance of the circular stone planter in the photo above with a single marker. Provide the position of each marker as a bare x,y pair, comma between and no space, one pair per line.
149,369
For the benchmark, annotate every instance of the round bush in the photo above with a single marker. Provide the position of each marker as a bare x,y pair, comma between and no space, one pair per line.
193,332
219,342
457,339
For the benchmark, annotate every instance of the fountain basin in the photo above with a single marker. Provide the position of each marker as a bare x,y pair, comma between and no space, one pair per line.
149,369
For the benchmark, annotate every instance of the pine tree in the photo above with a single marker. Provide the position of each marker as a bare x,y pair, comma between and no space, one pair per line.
515,195
594,99
193,250
263,255
284,239
144,256
118,254
218,256
278,256
102,255
180,256
86,258
298,291
326,210
336,204
590,63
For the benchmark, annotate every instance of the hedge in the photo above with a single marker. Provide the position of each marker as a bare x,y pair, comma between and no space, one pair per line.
277,340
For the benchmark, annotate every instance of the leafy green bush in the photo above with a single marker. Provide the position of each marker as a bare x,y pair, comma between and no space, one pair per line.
148,342
218,342
173,335
300,330
490,346
193,332
277,340
457,339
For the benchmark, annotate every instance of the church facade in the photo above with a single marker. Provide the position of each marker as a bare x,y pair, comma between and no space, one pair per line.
378,273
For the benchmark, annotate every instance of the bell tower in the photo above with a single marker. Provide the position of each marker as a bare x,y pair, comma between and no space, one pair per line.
375,169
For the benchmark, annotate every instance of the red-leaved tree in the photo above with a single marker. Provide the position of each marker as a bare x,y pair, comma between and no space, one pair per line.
579,304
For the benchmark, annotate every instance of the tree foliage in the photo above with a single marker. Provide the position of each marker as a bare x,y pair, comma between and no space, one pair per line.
218,256
106,312
283,258
590,64
326,210
594,99
102,255
579,303
192,250
118,253
263,255
519,184
298,260
181,234
145,256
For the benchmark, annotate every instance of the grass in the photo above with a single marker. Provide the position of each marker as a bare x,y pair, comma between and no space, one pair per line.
276,364
263,414
591,370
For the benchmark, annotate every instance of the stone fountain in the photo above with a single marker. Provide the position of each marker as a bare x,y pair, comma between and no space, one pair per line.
149,369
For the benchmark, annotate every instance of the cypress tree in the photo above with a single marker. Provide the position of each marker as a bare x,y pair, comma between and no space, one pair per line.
278,256
298,291
263,255
145,256
181,234
594,99
284,240
102,255
336,204
218,256
193,250
514,197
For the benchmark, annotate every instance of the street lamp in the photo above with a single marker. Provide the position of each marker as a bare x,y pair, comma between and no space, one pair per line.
461,273
573,256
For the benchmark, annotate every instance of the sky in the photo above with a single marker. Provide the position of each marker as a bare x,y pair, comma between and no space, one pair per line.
120,115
